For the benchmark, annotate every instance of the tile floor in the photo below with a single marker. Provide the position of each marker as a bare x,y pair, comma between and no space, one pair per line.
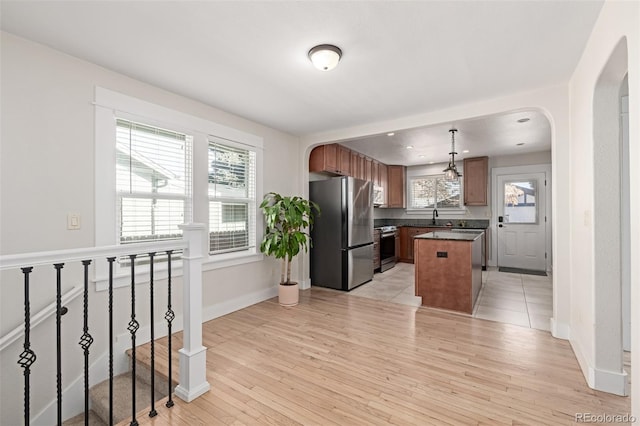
524,300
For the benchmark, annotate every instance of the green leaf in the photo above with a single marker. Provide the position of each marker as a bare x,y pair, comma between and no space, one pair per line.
286,219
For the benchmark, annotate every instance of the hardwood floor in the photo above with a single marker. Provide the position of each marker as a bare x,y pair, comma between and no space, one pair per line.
336,359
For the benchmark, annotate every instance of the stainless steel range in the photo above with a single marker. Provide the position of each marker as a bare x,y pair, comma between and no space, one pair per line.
389,241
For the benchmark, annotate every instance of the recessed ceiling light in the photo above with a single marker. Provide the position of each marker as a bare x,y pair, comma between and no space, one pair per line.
524,120
421,155
390,134
409,146
431,162
520,144
465,151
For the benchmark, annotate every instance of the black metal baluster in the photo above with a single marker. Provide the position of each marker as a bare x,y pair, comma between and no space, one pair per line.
27,357
153,411
86,340
169,316
111,260
59,313
133,327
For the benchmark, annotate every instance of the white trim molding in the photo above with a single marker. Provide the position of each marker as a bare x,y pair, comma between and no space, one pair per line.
613,382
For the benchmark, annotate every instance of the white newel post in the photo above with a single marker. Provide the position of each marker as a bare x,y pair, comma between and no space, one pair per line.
193,356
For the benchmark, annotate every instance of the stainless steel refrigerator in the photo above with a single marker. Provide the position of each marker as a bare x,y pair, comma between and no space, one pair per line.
342,251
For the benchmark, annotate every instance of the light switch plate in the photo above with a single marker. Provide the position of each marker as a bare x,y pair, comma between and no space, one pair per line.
73,221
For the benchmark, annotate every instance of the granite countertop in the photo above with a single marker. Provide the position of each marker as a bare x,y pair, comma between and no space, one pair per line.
449,235
440,223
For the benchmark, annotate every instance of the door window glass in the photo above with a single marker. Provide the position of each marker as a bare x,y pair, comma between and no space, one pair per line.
520,202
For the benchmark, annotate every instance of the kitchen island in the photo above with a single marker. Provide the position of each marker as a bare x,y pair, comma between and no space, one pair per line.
448,269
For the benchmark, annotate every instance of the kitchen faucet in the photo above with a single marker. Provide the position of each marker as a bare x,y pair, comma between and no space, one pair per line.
435,214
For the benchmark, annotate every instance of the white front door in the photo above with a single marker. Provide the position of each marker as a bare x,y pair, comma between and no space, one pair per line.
522,221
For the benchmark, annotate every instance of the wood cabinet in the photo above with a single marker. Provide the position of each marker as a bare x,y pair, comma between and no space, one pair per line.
382,177
339,160
361,166
407,240
344,161
452,281
376,249
396,185
402,254
355,165
407,233
368,166
332,158
324,158
375,172
476,172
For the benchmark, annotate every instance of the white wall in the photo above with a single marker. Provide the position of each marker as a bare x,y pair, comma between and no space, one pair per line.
617,21
47,171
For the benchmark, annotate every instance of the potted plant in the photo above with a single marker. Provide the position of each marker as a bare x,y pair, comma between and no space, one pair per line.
287,220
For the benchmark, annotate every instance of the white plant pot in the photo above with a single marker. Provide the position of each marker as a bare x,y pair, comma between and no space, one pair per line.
288,295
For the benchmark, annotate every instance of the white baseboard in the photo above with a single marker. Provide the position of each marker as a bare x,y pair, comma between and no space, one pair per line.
559,330
613,382
583,362
226,307
305,284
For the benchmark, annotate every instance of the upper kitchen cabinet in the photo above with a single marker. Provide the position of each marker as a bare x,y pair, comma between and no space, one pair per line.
344,161
356,169
332,158
396,186
368,169
324,158
476,172
382,177
375,167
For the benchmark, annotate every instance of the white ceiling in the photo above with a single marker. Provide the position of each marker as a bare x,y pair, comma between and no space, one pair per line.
399,58
491,135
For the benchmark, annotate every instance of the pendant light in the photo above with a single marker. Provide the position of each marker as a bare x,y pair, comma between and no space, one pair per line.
451,172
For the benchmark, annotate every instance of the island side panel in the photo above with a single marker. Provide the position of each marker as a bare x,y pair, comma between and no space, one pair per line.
444,282
476,269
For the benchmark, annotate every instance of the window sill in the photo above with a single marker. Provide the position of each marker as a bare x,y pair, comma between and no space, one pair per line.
226,260
122,277
429,212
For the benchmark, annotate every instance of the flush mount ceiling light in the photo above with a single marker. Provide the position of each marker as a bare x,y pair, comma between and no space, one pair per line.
451,172
325,57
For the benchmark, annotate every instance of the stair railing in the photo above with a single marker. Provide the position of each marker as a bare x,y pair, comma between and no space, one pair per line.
192,357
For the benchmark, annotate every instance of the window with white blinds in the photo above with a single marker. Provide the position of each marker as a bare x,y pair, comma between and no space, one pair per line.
434,192
232,197
153,182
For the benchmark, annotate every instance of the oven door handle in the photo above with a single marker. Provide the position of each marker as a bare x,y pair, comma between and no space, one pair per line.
389,235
